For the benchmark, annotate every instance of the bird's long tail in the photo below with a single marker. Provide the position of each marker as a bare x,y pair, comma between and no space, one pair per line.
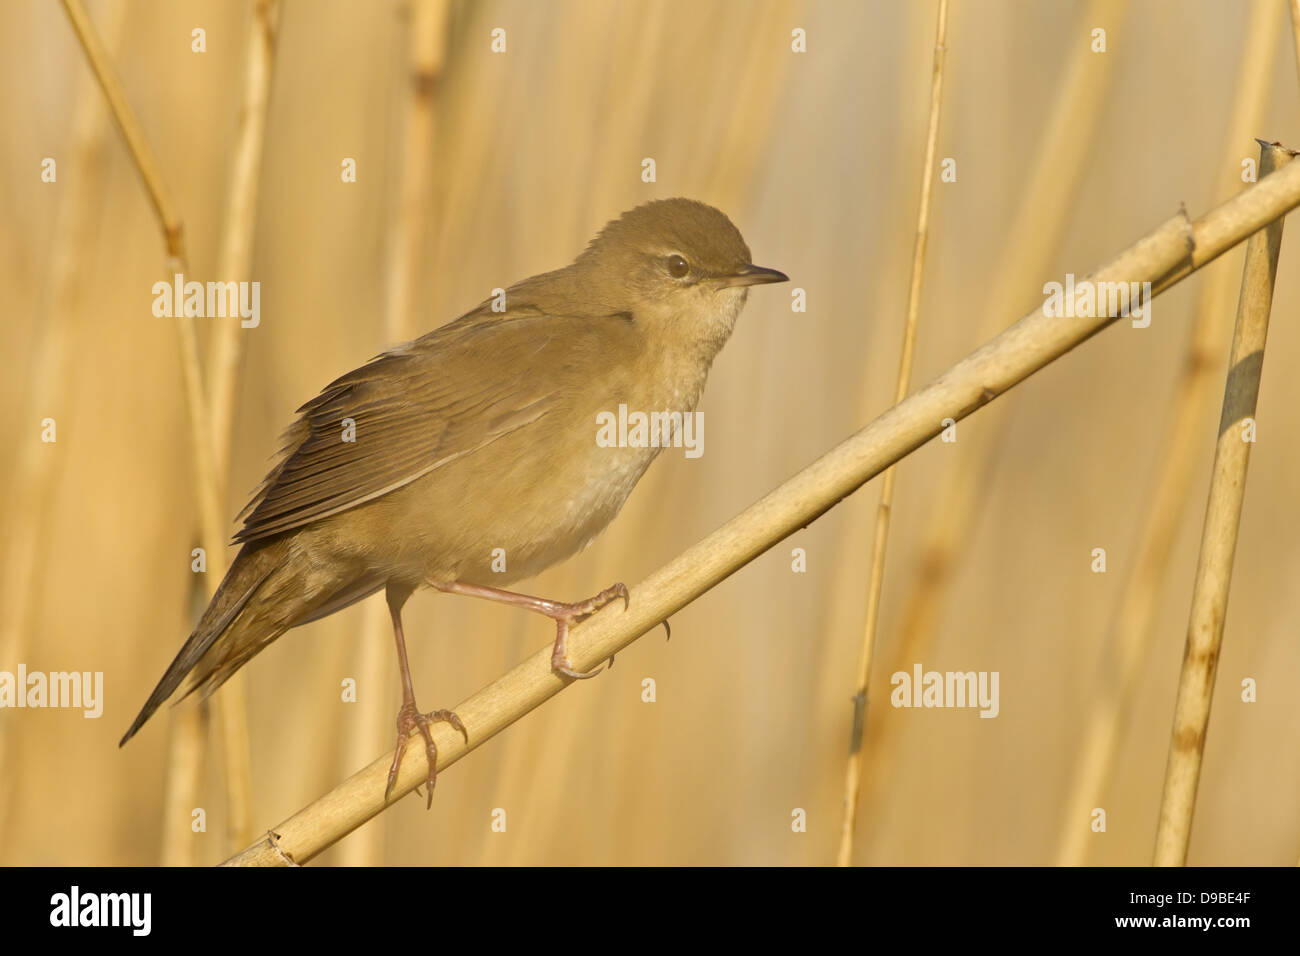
230,620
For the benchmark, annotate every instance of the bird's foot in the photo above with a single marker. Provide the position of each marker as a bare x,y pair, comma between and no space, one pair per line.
566,615
581,610
409,718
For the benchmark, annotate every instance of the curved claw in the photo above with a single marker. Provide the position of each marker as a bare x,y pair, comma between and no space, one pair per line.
568,671
585,609
449,717
667,630
397,762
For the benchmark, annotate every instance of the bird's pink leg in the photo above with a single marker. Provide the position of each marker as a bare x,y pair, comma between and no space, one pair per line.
409,717
564,615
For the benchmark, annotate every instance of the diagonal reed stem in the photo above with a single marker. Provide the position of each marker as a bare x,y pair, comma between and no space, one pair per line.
1219,538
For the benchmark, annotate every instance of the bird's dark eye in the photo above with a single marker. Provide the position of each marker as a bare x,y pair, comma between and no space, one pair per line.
677,266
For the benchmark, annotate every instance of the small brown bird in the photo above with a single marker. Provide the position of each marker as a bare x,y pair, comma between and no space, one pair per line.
480,435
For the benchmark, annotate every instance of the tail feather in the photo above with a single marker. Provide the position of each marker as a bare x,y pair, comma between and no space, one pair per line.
250,570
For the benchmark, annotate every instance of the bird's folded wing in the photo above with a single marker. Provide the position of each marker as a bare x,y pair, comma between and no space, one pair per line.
415,408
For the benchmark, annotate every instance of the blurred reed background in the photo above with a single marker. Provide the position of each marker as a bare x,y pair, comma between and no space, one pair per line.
498,166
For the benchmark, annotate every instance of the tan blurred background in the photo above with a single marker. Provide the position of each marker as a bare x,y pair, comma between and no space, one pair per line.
816,156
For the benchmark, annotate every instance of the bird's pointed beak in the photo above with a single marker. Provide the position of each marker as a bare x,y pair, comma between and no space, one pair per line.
754,275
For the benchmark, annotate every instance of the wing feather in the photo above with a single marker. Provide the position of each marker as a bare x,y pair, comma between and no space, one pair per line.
417,407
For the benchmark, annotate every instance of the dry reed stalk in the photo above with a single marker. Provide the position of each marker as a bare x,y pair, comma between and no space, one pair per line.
186,747
234,264
174,241
1219,538
1295,30
1163,257
1125,659
51,386
188,729
853,769
409,223
1034,240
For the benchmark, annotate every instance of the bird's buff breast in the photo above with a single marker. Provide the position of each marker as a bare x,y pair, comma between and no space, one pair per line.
518,513
510,510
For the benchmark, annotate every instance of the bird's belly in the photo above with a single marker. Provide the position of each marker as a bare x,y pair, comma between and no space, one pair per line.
505,513
564,510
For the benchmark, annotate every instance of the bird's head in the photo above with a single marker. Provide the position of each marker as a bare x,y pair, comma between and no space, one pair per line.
675,262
